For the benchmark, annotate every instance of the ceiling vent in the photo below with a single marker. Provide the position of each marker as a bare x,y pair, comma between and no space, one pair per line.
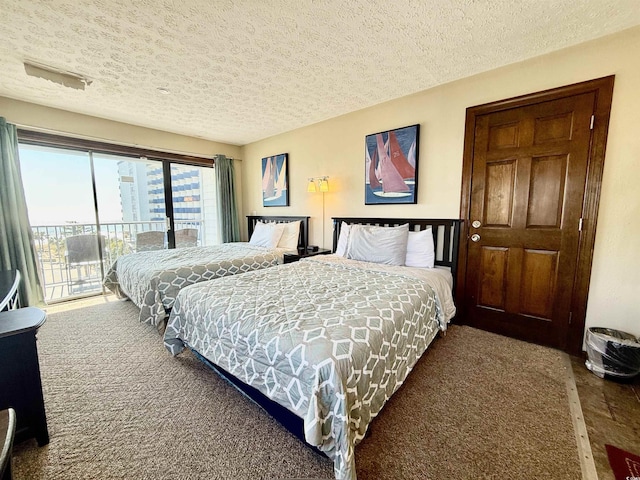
56,75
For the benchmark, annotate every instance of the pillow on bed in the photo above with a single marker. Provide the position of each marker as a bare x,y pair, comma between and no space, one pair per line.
420,249
341,248
290,234
375,244
266,234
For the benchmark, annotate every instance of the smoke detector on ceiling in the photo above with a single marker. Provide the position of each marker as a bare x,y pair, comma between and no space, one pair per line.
56,75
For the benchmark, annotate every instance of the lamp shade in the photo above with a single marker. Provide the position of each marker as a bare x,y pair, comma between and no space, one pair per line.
324,185
311,187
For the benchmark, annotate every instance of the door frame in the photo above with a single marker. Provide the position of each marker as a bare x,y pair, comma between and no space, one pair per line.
603,89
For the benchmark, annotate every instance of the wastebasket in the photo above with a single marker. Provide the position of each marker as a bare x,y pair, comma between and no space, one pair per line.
612,354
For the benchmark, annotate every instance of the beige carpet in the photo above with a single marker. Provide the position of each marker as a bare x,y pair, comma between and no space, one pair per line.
477,405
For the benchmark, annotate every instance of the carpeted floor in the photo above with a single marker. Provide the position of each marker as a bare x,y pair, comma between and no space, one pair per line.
477,405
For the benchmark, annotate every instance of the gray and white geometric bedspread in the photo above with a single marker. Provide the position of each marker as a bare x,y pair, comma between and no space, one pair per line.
153,279
328,338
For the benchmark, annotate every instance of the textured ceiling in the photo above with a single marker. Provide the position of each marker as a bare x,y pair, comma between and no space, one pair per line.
242,70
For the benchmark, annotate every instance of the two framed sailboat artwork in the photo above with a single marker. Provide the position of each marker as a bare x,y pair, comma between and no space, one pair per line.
275,181
391,170
391,166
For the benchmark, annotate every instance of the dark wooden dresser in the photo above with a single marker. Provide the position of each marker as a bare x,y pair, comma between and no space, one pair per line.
20,385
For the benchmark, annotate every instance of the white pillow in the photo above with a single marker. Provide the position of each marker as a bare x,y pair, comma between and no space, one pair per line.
290,234
341,248
266,234
420,249
376,244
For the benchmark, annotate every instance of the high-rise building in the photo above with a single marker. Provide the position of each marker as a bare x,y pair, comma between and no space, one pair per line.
134,193
193,194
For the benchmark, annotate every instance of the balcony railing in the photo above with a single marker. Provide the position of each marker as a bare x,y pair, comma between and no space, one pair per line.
63,279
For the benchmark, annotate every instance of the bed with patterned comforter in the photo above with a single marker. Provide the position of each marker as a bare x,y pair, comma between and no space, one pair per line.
153,279
328,338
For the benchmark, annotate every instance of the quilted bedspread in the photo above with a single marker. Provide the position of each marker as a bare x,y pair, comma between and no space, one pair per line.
328,338
153,279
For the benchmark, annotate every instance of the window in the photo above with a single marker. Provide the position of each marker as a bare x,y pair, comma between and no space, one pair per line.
90,203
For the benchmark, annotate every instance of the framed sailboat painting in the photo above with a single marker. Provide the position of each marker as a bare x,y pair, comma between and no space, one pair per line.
275,181
391,166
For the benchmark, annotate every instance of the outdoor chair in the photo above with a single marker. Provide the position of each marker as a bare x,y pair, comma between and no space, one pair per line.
152,240
84,257
187,237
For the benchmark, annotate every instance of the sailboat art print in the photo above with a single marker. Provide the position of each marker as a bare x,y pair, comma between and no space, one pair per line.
391,166
275,181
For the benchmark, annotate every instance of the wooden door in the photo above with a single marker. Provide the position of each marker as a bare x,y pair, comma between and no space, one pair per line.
529,178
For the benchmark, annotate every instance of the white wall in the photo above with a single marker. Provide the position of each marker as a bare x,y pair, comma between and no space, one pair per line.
53,120
336,148
77,125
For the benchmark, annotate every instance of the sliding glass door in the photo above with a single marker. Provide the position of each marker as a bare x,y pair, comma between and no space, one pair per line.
88,208
194,206
131,203
59,193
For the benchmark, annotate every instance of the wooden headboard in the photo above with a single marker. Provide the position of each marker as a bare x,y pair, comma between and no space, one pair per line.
303,239
446,234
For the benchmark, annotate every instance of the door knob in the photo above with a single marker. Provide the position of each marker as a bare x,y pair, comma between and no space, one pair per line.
475,237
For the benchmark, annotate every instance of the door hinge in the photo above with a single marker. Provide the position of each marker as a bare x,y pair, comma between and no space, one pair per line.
580,225
570,317
593,119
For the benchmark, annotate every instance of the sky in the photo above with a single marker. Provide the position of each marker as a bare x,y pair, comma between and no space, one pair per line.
58,189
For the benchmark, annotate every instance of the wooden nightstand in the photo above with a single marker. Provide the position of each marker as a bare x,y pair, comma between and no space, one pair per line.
290,257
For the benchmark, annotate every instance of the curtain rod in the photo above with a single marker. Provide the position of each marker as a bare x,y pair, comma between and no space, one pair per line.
90,138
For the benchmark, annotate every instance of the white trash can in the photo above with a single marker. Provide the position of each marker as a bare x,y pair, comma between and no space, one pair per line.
612,354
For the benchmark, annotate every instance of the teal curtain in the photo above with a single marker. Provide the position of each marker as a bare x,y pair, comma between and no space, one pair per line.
228,220
16,237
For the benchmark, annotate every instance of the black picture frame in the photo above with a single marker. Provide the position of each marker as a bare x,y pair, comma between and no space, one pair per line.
275,181
391,166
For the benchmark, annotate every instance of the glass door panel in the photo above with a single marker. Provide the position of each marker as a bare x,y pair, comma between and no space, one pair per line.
131,209
59,195
86,209
194,205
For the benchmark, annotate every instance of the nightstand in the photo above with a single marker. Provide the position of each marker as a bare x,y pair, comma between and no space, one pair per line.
290,257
